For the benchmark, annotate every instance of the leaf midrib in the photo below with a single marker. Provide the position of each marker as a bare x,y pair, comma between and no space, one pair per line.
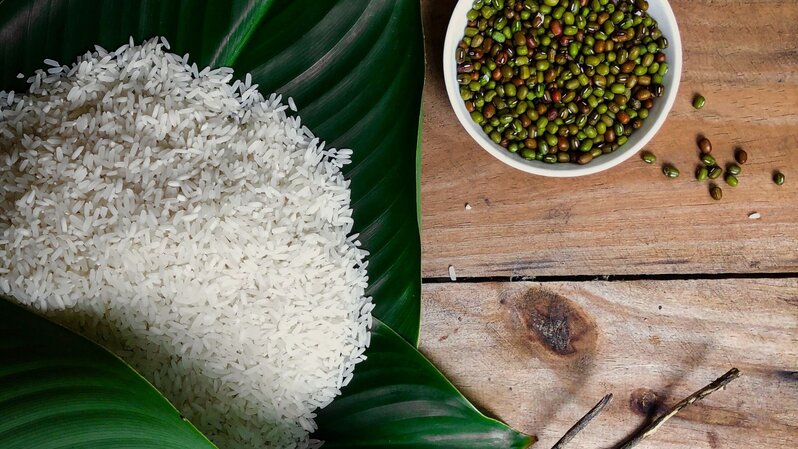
231,57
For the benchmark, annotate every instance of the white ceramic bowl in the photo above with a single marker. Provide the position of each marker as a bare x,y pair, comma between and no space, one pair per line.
660,10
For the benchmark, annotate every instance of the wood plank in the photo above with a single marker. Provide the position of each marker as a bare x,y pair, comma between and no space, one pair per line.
539,355
631,219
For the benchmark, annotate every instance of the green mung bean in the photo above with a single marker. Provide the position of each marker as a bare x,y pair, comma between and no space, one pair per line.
648,157
699,102
670,171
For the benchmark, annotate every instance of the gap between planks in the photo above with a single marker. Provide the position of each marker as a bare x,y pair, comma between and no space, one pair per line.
611,278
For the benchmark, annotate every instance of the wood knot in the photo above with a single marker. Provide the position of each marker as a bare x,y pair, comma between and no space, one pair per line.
646,402
554,322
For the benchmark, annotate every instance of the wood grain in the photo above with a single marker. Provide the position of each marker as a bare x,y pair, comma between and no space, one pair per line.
539,355
743,58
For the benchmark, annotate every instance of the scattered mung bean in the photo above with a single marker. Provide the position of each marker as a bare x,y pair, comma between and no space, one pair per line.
705,145
699,101
741,156
670,171
716,193
647,156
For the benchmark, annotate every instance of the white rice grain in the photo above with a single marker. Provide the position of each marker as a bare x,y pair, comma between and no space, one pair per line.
192,228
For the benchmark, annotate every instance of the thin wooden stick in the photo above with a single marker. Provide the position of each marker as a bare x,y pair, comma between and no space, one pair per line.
649,430
582,423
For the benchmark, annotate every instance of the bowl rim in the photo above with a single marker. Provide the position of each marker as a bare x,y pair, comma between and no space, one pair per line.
453,35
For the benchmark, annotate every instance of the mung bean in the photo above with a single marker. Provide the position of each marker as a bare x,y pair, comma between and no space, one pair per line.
741,156
699,101
705,145
716,193
670,171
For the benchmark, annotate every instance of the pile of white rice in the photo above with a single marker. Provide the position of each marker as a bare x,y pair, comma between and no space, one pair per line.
193,228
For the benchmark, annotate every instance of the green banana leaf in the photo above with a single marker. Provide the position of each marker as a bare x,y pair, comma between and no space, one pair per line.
398,399
59,390
354,67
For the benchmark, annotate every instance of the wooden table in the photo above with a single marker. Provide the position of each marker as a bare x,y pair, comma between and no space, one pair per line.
626,281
